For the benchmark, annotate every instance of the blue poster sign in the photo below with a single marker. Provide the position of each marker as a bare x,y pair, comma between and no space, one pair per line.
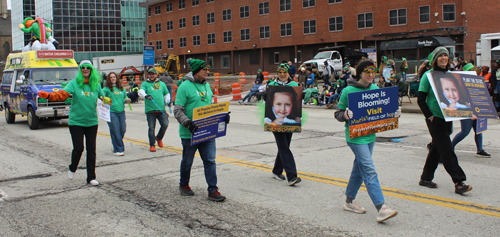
373,111
481,125
148,55
211,122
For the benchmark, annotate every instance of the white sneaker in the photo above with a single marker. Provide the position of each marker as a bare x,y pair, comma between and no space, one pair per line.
119,154
94,182
354,207
385,213
71,175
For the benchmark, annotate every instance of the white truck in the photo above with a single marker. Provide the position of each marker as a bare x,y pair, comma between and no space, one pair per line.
116,64
337,57
485,53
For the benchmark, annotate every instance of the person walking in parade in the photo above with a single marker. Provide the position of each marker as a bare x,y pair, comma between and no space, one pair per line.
85,91
439,129
195,92
284,158
156,97
117,126
363,169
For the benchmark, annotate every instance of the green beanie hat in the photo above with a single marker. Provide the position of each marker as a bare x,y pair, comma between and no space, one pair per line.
438,51
285,66
260,70
468,67
196,65
404,59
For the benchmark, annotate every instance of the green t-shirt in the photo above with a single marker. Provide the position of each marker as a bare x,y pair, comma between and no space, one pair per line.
343,104
157,90
430,100
117,98
83,111
274,83
189,95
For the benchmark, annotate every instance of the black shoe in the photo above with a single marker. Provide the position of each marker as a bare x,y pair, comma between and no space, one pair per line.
428,184
279,176
293,181
483,154
186,190
461,188
215,196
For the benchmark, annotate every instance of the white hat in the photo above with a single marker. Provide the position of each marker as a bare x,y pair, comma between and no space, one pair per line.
86,62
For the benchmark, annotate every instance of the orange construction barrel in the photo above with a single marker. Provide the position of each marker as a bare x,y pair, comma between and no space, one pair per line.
266,76
216,86
236,89
174,92
124,80
137,80
243,79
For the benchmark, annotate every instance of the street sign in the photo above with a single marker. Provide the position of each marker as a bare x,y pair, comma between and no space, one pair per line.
149,55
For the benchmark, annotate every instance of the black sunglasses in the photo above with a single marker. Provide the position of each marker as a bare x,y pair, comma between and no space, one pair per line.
86,67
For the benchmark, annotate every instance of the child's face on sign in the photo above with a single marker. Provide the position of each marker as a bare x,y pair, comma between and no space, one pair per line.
450,90
282,104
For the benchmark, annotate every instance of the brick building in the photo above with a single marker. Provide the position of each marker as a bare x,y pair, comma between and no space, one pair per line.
246,35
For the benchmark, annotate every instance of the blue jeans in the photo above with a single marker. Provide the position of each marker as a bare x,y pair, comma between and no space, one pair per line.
117,128
333,97
497,91
363,170
249,95
169,88
207,153
163,119
466,125
403,77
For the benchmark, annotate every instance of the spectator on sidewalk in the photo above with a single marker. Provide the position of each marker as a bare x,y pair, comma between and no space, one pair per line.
327,71
293,70
260,76
251,93
262,91
310,78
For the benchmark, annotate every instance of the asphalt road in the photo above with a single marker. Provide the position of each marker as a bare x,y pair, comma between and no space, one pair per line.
139,196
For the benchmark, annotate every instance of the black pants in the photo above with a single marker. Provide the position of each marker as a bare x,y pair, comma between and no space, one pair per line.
284,159
261,95
442,147
77,134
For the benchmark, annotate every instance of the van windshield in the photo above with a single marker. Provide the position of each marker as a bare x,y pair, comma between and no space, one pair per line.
322,55
53,75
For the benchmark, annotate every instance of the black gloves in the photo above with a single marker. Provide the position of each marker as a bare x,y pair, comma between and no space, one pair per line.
192,128
149,97
228,117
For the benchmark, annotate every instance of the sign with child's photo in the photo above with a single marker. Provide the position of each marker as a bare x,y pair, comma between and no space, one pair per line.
283,109
462,95
373,111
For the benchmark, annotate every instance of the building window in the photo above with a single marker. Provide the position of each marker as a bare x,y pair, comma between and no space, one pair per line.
244,11
285,5
397,17
448,12
182,5
336,23
196,20
150,29
310,27
158,27
265,32
211,62
157,9
245,34
210,17
182,23
299,56
225,61
286,29
182,42
425,14
159,45
365,20
211,38
170,8
334,1
209,1
170,25
264,8
149,11
196,40
276,57
170,43
226,15
228,36
195,3
308,3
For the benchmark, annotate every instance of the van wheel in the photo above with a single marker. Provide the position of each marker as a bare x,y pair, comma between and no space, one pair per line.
33,120
9,117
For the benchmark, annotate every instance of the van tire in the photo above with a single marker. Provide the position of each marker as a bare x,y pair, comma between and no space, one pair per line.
33,120
9,116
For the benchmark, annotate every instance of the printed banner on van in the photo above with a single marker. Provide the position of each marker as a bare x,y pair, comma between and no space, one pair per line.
462,95
211,122
103,110
373,111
